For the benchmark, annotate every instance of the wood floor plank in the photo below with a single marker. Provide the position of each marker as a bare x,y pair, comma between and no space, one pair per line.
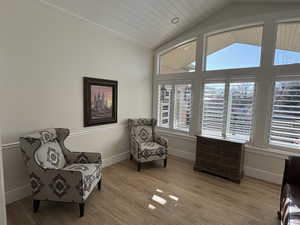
176,195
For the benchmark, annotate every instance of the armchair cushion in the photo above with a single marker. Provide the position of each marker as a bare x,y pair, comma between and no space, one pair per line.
50,156
151,149
143,133
91,174
83,157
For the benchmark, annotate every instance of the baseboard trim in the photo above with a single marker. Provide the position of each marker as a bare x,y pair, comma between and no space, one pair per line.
17,194
263,175
182,154
24,191
249,171
115,159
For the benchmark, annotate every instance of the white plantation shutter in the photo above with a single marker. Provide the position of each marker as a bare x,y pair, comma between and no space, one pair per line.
240,110
285,125
164,105
213,109
183,107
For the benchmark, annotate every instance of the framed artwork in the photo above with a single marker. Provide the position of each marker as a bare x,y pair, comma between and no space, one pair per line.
100,101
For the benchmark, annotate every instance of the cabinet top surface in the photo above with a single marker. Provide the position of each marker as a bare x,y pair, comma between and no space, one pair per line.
222,139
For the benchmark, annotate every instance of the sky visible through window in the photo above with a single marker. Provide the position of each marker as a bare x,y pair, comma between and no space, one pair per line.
236,55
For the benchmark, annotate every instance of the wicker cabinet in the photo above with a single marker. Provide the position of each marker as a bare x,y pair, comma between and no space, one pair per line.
220,157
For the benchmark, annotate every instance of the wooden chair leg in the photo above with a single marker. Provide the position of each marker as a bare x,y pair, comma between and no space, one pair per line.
99,184
139,166
36,205
81,209
130,156
279,215
165,162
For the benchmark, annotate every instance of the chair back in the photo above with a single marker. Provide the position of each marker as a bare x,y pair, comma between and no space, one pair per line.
142,129
44,148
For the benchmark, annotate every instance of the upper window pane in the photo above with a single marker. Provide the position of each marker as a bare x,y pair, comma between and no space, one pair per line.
285,126
287,44
183,107
179,60
164,105
234,49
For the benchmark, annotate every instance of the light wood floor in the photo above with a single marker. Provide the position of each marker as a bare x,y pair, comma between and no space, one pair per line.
158,196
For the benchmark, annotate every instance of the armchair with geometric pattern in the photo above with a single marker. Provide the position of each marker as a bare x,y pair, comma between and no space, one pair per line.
56,173
145,145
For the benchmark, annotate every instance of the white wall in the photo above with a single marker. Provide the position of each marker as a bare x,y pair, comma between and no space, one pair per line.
262,160
2,192
44,53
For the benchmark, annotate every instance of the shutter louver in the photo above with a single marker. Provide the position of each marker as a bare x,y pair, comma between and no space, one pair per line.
240,110
213,109
183,107
285,126
164,105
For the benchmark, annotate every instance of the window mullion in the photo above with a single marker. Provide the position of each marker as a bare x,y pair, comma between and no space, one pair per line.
226,114
172,107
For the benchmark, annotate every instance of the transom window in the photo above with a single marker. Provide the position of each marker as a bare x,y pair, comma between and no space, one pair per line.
287,44
234,49
179,60
228,110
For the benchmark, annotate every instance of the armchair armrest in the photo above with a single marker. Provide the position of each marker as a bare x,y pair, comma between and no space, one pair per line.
161,140
292,170
84,157
57,185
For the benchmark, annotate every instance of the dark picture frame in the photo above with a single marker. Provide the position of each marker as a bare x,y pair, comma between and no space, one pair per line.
100,101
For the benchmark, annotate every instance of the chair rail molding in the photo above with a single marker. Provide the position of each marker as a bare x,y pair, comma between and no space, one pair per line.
73,133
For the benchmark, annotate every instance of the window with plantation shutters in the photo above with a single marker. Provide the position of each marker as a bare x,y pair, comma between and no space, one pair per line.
213,109
240,110
182,107
164,105
285,124
228,110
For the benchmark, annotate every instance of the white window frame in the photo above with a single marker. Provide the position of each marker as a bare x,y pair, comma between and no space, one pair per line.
279,78
263,76
207,35
172,105
227,83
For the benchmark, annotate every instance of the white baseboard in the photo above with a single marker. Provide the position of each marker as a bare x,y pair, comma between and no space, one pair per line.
115,159
17,194
249,171
263,175
182,154
24,191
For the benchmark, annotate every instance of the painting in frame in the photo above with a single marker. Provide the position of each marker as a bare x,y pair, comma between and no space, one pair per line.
100,101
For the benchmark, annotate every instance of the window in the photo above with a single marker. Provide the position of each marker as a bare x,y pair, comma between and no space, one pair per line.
240,110
228,115
234,49
287,44
285,124
179,60
164,105
183,107
213,109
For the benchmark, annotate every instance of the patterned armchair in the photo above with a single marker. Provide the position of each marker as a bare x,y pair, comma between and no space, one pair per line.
57,174
144,144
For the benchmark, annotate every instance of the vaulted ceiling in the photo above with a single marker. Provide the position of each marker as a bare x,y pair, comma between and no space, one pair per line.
145,21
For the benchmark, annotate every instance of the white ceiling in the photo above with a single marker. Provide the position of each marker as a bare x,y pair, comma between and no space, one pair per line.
145,21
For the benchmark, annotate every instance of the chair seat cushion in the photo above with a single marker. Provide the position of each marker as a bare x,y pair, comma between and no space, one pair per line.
91,175
150,149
